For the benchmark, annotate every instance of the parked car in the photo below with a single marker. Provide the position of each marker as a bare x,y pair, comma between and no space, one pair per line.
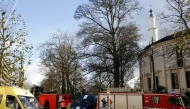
88,101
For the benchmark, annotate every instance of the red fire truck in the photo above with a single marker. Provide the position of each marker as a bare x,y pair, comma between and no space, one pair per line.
50,101
126,100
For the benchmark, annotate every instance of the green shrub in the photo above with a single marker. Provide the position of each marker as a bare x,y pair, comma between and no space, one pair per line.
186,100
161,89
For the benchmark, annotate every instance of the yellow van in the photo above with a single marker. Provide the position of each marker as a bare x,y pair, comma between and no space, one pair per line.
17,98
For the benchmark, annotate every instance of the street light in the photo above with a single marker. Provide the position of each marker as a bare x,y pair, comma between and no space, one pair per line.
153,72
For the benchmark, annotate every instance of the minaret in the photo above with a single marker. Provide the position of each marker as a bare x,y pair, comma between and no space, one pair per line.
152,28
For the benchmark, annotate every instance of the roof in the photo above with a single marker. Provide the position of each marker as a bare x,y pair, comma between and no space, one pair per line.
170,37
87,97
18,91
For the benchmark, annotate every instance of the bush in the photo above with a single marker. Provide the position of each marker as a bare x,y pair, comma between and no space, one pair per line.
161,89
186,99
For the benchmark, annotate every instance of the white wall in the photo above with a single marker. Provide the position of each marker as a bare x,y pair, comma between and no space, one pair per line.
164,66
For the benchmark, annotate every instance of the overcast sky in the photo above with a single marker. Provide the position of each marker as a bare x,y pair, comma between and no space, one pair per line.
44,17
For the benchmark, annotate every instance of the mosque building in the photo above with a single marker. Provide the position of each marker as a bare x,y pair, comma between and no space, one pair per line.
161,63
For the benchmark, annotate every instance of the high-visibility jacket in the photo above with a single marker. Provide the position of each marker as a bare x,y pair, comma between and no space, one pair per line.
63,104
109,102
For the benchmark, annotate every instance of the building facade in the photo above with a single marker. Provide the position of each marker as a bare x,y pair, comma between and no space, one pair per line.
164,62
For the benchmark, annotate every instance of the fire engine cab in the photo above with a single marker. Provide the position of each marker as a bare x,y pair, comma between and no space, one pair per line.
127,100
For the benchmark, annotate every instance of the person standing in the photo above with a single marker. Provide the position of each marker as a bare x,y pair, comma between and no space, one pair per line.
103,102
72,102
109,102
62,104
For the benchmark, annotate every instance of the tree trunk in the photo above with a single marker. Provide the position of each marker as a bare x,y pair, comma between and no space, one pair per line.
63,83
121,79
116,72
69,85
63,87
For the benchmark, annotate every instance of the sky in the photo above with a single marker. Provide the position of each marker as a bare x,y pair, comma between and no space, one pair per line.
44,17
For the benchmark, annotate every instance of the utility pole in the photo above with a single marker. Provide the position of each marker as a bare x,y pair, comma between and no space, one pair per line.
153,72
108,98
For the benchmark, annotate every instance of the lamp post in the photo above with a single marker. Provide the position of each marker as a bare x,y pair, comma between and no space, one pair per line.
153,72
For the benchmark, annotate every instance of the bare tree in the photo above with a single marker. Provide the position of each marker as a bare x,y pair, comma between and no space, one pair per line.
97,83
137,84
178,14
59,53
52,75
108,35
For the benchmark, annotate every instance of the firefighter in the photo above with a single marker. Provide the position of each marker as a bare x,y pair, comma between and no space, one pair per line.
62,104
36,104
109,102
103,102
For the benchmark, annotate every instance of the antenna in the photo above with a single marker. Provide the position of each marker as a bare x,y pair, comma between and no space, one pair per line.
150,12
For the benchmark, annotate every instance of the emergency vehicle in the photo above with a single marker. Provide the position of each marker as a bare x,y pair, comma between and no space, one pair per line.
17,98
50,101
87,101
140,100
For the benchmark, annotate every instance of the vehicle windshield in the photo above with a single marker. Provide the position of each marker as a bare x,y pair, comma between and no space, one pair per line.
82,103
29,102
175,100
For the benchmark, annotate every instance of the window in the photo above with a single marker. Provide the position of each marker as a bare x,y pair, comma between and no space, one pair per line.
155,99
30,102
179,56
174,101
1,96
149,84
188,78
11,102
175,84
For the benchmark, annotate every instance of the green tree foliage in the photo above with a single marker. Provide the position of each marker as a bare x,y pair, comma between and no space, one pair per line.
14,51
110,42
62,66
161,89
